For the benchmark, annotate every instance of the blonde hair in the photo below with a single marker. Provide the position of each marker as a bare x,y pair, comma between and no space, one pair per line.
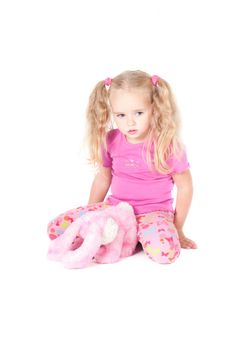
164,134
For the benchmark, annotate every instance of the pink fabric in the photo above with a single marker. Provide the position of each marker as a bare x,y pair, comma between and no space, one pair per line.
132,181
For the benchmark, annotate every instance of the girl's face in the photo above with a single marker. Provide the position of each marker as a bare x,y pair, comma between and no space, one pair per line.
132,113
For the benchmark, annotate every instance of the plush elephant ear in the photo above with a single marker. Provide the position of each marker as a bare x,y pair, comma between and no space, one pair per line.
110,231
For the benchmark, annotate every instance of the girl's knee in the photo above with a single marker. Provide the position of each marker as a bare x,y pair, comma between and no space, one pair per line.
161,256
54,230
160,240
57,226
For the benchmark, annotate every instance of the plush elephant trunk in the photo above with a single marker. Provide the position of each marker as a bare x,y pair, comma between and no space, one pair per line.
83,256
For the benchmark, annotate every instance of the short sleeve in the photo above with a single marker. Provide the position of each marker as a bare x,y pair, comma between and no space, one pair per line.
106,158
179,165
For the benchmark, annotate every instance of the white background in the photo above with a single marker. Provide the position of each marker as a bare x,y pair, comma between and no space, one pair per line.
52,55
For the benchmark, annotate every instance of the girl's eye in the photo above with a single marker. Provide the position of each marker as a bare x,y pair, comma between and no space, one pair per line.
138,114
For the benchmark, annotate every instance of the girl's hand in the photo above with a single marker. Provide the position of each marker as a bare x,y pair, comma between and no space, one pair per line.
185,242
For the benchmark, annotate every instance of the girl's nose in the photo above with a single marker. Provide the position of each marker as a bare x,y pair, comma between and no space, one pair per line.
130,121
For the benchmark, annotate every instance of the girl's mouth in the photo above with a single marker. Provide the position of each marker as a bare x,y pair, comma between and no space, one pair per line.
132,132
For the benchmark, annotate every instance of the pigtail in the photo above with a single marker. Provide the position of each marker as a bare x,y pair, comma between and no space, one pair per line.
166,126
98,120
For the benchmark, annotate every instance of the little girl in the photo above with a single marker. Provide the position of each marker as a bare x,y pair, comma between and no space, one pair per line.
140,160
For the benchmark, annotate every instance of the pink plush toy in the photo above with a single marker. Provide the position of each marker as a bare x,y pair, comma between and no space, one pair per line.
105,235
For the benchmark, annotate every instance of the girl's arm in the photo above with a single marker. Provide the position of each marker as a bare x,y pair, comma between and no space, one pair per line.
183,182
100,185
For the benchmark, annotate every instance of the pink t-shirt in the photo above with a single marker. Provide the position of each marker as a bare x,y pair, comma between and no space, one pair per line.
133,181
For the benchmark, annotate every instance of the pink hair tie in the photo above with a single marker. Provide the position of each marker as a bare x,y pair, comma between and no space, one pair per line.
108,81
154,79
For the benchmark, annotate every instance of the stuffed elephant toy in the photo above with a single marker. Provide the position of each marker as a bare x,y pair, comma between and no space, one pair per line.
104,236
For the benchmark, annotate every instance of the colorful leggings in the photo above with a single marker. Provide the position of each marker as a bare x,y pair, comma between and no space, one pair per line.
156,231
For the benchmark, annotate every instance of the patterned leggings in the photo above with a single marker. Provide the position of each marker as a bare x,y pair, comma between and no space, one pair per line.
156,231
